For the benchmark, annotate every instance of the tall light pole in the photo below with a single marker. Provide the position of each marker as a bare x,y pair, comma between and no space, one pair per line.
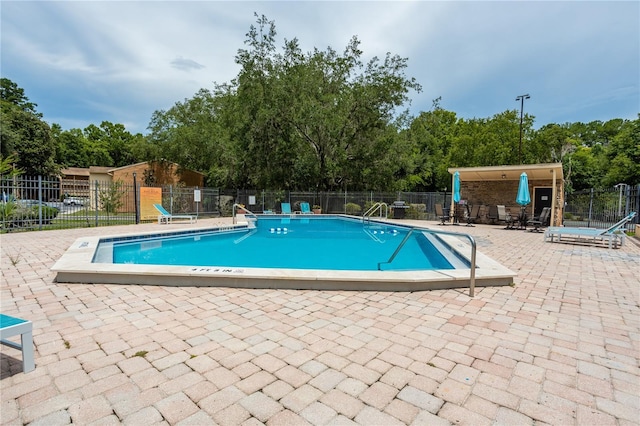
521,98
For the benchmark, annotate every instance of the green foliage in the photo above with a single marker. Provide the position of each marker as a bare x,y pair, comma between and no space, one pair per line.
352,208
416,211
111,197
292,120
317,120
23,134
7,208
14,95
7,166
48,213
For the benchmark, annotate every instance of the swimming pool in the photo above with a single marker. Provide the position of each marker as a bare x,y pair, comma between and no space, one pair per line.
291,243
426,261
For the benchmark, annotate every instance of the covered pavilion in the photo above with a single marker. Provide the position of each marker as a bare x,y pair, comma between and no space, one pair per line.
498,185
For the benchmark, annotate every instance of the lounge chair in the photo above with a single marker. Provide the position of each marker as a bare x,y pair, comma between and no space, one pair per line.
166,217
12,326
612,235
541,221
472,214
441,215
286,208
305,209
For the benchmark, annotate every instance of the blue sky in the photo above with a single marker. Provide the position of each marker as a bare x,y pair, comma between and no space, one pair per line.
89,61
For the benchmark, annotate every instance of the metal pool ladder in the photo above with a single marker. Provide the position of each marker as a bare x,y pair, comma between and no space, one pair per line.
472,273
377,207
241,207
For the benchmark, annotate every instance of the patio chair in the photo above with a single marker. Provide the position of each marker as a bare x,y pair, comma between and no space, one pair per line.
505,216
492,214
166,217
522,219
12,326
612,235
305,209
286,208
541,221
440,214
472,214
459,211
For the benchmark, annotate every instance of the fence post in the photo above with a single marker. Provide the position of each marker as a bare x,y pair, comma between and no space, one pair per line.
590,209
96,197
135,199
345,199
40,202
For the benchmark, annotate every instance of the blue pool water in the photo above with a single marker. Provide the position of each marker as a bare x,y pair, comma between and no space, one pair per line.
287,243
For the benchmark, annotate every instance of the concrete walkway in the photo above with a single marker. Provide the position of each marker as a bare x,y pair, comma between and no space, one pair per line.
561,347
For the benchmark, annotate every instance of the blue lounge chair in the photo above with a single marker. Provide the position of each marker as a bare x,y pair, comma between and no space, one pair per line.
166,217
286,208
12,326
613,235
305,209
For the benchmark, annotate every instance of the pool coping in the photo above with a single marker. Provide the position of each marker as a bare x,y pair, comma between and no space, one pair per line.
75,266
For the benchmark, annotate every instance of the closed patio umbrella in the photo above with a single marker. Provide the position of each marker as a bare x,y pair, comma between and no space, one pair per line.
523,198
456,187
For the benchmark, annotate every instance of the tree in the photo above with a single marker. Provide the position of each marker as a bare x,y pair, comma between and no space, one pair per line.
623,154
431,134
11,93
23,134
192,134
72,147
319,119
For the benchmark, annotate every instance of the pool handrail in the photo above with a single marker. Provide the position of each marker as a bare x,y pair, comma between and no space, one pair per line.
237,207
472,273
374,208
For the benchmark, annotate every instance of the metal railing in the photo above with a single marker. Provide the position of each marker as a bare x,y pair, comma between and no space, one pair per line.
472,273
40,203
600,208
377,207
237,207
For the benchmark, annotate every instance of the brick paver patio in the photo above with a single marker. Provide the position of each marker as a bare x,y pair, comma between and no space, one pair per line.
561,347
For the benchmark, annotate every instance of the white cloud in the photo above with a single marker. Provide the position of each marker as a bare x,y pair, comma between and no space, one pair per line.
123,60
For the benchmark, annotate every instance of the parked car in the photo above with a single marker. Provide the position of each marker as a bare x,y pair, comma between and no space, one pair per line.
74,201
34,203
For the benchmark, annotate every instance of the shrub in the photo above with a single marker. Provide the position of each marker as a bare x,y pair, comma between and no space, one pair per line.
48,213
352,208
416,211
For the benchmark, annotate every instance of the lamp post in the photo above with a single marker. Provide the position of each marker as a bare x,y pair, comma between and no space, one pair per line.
521,98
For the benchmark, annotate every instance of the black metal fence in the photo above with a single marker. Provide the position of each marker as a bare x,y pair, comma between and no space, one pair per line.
600,208
421,204
44,203
36,203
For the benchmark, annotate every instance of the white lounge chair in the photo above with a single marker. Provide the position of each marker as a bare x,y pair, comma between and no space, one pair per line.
166,217
12,326
614,235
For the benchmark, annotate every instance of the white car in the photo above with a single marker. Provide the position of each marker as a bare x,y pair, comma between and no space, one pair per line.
73,201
